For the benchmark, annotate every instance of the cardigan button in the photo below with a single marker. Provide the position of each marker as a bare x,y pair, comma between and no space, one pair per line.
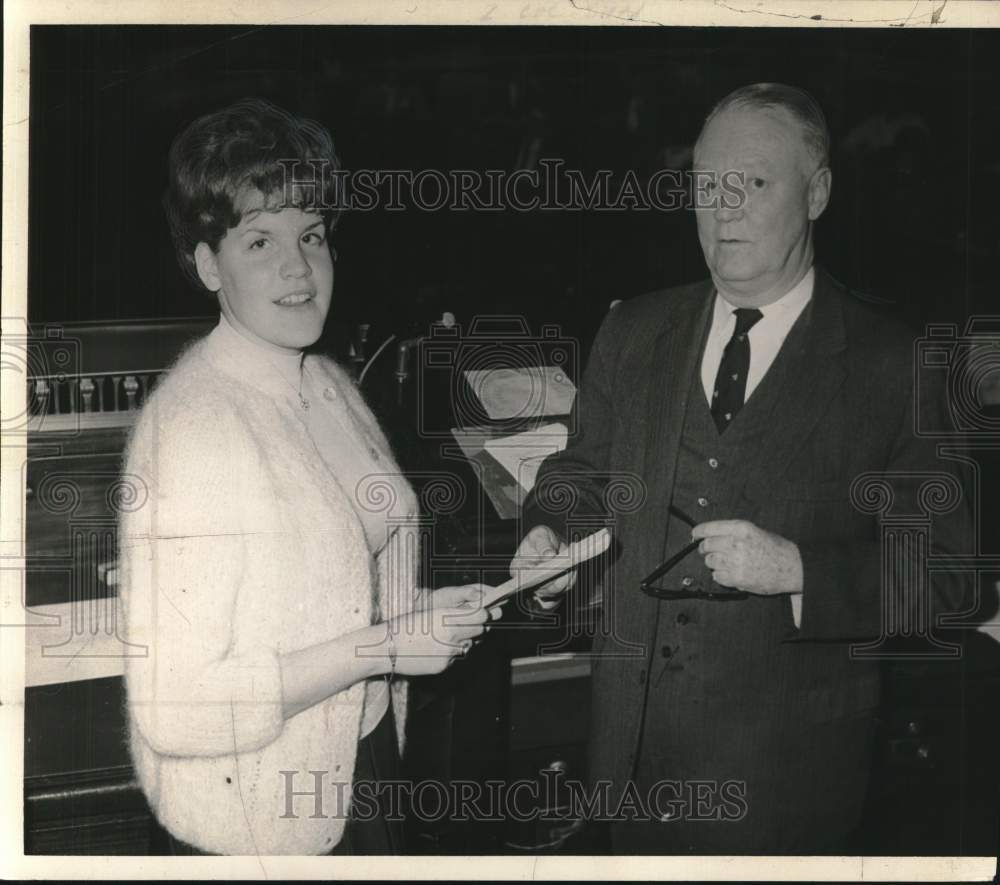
330,393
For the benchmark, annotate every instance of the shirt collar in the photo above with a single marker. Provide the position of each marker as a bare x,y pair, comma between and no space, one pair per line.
792,301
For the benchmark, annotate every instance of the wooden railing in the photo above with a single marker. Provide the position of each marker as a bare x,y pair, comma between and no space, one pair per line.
94,375
97,399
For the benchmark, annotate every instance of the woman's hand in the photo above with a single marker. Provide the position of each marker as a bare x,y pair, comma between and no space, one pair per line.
454,597
444,626
423,641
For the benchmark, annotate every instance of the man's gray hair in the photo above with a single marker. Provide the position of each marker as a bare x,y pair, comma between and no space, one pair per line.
799,103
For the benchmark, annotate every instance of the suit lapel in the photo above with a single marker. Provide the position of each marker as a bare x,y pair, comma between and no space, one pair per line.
675,362
806,375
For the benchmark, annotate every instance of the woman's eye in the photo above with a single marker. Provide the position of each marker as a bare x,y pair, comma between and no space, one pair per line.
314,238
258,244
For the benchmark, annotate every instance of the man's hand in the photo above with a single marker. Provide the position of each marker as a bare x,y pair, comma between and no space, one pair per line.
747,557
540,545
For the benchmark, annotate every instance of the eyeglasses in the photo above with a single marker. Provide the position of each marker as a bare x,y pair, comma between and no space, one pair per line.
720,593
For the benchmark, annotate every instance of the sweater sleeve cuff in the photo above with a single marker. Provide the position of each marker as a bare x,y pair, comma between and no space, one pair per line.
233,706
256,701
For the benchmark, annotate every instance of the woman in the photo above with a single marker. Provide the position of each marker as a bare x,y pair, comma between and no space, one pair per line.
269,582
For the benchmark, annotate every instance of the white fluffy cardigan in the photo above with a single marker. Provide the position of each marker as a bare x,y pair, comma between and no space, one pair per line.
240,547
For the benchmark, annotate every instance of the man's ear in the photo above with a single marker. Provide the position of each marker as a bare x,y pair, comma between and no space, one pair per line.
819,191
208,267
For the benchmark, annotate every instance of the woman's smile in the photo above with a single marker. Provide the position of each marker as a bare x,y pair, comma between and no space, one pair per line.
294,299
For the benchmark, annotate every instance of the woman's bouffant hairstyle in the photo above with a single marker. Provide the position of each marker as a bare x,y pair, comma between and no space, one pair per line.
251,145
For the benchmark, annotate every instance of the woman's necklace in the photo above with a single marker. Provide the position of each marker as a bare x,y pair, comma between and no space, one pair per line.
303,401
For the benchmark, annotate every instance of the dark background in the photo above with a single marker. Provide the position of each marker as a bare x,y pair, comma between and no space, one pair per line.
913,116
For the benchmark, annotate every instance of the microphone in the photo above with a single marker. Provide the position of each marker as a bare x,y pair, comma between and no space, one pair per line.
359,345
403,356
404,347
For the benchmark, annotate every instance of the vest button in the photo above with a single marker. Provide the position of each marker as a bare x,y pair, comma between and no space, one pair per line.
713,463
687,581
667,651
703,502
682,619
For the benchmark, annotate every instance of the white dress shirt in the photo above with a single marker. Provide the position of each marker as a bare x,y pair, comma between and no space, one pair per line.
766,336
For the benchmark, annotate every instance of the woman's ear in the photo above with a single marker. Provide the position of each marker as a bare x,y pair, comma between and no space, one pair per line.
208,267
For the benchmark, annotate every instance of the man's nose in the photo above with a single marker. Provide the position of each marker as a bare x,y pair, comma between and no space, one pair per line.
727,209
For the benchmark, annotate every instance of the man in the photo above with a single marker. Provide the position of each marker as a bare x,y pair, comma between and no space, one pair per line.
746,406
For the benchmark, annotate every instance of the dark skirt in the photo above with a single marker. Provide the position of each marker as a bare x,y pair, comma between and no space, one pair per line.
377,762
